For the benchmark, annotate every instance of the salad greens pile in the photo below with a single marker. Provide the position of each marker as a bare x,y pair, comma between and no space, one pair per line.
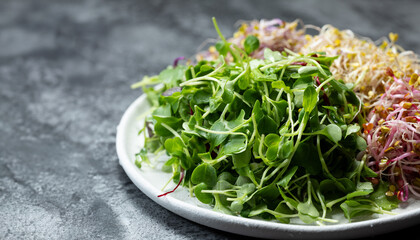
274,138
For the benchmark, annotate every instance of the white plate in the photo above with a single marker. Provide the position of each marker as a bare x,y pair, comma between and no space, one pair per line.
151,181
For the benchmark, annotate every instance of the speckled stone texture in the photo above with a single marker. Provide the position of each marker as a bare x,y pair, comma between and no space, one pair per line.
65,73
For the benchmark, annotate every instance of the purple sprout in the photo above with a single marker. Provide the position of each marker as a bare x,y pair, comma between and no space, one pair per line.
177,60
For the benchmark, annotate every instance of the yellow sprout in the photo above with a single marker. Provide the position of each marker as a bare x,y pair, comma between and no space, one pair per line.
393,37
362,61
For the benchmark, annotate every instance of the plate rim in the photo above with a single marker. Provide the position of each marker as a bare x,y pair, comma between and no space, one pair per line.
240,225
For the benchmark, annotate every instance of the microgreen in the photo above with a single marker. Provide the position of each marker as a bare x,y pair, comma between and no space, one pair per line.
251,44
275,137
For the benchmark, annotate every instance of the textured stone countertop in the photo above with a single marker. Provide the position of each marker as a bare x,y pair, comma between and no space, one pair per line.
66,67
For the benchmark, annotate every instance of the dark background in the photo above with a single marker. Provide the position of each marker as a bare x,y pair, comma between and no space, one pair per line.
65,73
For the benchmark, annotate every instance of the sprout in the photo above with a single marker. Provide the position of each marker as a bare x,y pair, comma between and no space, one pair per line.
394,136
363,62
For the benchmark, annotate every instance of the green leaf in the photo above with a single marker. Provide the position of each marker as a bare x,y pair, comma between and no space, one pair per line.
217,139
266,125
292,203
307,70
227,176
205,198
269,192
314,121
363,189
258,210
331,131
241,180
328,187
222,47
173,122
284,182
201,97
186,162
204,70
242,159
283,209
204,173
272,153
281,109
307,212
280,85
324,60
234,145
361,144
175,147
171,76
228,92
236,206
220,205
231,124
222,185
353,128
353,208
336,188
244,81
303,82
306,157
272,139
368,172
251,44
163,111
272,56
257,111
286,149
167,166
184,109
246,189
380,198
310,99
173,100
251,96
257,75
345,185
256,63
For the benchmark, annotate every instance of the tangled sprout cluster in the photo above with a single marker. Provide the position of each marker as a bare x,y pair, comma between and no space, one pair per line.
361,61
393,135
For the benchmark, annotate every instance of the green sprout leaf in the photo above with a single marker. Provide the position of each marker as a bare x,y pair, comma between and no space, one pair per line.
310,99
251,44
204,173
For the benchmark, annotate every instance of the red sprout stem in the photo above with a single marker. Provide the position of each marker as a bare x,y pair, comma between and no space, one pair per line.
389,72
318,82
403,194
299,63
324,95
177,60
179,183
